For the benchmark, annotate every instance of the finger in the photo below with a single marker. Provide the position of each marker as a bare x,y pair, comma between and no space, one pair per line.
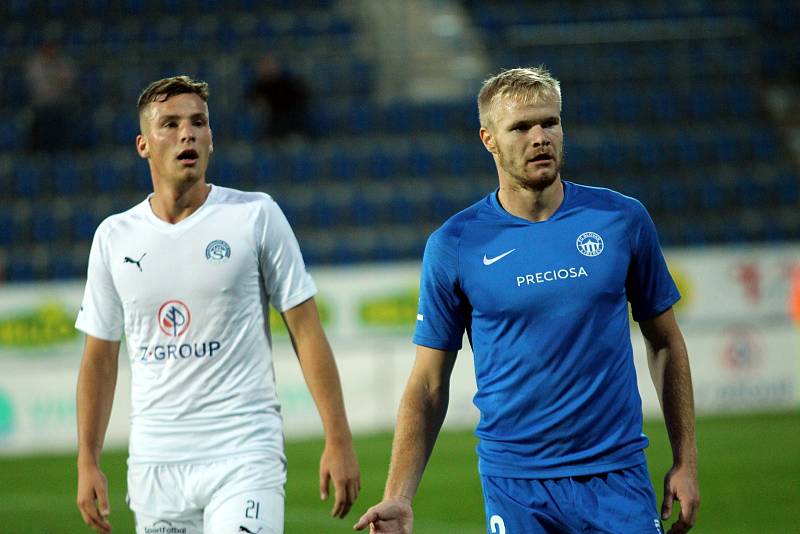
350,498
679,527
324,485
90,514
685,521
366,519
102,504
666,505
689,512
96,521
340,492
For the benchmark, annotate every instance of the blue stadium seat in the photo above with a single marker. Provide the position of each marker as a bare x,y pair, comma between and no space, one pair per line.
44,228
359,119
323,214
420,161
701,106
14,89
303,167
83,224
401,210
395,118
363,212
687,151
650,152
787,186
8,228
710,195
12,135
29,178
382,164
64,268
266,167
433,117
106,177
662,105
20,268
458,161
223,171
342,165
587,109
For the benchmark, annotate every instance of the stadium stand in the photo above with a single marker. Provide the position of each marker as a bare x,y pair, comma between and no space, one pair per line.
663,100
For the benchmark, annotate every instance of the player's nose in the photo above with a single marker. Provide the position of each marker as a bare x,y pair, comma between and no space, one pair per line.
187,133
538,136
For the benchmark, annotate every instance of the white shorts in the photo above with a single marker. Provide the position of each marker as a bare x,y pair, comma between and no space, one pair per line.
235,496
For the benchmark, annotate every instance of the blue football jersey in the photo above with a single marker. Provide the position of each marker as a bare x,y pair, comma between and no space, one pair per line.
545,308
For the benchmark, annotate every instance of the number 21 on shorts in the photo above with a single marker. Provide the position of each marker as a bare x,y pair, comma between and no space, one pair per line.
252,510
496,525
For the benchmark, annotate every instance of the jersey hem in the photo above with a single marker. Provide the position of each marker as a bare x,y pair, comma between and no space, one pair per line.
559,472
97,333
271,454
434,343
300,298
657,310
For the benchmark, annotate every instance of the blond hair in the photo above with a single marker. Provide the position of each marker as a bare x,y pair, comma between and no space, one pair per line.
161,90
528,85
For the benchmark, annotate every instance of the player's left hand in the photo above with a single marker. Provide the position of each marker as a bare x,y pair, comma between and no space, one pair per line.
339,464
680,484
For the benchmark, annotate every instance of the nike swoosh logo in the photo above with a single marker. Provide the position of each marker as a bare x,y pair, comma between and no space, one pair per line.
489,261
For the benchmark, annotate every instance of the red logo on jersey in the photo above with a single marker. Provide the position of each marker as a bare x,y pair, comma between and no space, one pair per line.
174,318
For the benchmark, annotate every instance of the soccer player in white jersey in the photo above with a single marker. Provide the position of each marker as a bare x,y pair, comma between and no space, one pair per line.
539,274
187,276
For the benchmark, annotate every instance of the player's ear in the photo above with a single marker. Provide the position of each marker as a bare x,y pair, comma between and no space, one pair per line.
488,140
211,145
141,147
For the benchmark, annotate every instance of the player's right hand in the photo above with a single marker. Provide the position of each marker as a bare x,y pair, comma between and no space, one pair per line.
93,498
391,516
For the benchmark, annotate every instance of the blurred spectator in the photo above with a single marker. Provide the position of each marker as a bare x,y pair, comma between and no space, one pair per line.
50,76
281,99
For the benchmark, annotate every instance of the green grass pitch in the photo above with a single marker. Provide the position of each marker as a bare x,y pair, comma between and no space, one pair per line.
749,477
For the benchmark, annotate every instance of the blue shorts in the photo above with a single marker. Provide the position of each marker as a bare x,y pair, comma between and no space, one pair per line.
612,503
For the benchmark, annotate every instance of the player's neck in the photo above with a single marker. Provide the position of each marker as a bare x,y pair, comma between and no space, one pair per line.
535,205
173,204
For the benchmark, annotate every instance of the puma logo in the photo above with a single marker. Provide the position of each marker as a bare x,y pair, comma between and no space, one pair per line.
138,262
245,529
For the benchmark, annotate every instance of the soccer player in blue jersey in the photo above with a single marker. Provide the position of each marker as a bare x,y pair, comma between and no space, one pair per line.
539,274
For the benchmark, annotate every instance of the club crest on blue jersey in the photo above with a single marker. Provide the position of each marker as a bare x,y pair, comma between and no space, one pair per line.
218,251
589,244
174,318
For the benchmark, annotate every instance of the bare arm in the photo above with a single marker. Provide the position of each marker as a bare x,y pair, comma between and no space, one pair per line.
419,419
97,381
668,360
338,463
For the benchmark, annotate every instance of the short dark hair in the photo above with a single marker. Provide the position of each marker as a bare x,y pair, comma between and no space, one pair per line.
161,90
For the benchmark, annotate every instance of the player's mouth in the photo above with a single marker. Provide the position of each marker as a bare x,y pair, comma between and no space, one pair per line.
541,159
188,156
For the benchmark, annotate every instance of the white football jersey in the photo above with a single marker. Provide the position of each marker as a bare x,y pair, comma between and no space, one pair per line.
192,300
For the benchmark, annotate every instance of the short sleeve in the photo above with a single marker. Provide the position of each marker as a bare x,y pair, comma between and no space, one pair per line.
442,314
649,285
282,267
101,314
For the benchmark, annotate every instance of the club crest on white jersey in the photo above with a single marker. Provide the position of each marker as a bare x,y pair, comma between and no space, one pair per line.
589,244
218,251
